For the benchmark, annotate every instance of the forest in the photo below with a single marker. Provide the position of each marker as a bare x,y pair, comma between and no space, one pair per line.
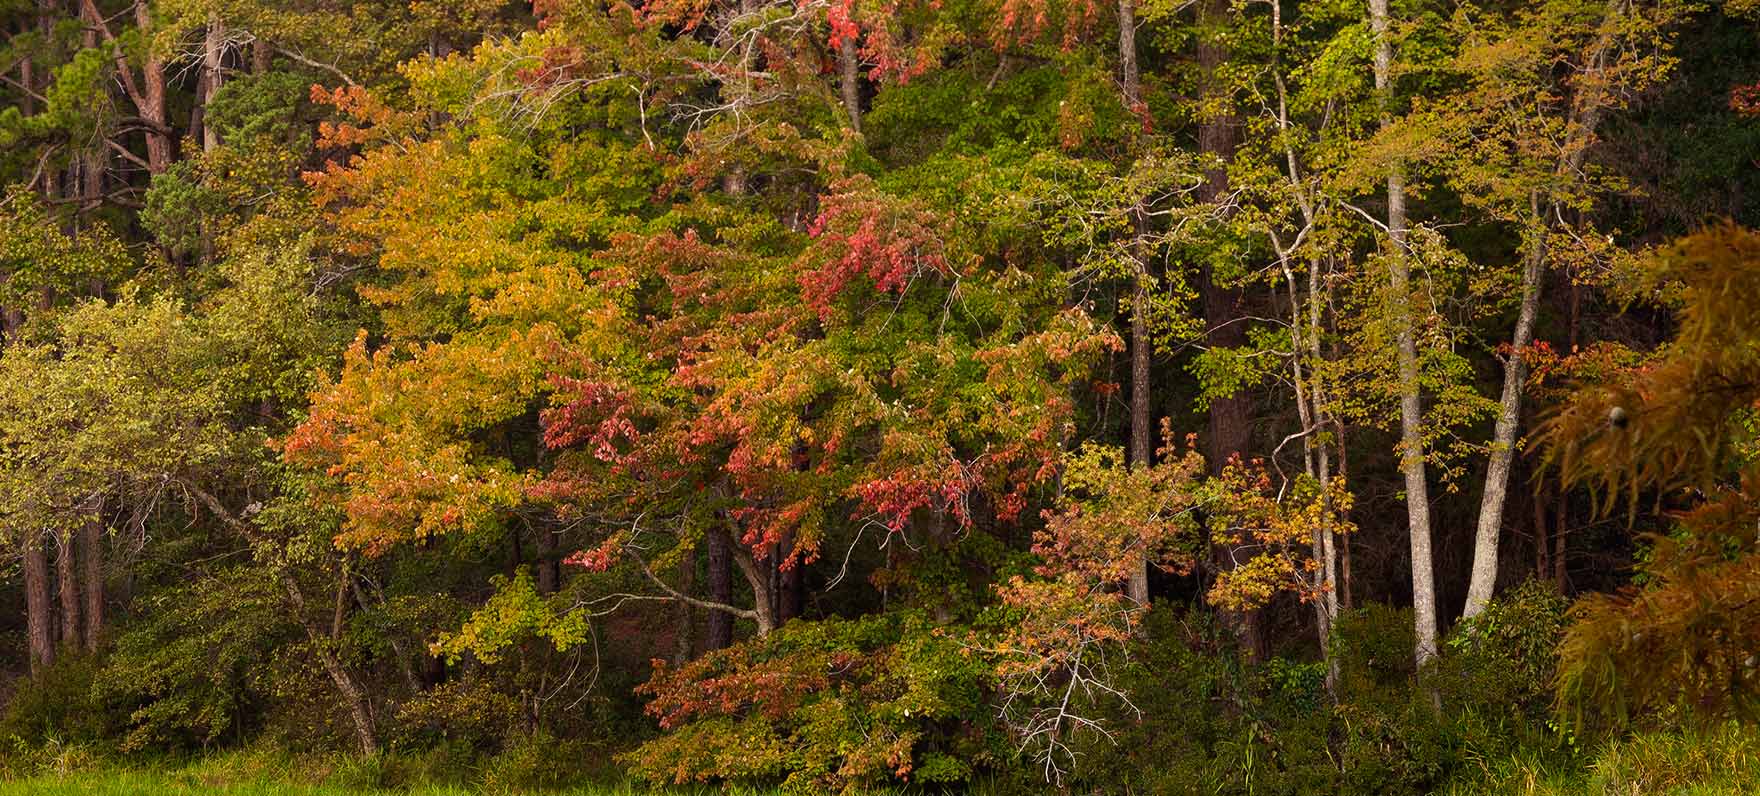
880,396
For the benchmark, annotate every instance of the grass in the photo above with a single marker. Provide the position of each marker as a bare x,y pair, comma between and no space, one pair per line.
1723,761
153,783
178,783
70,770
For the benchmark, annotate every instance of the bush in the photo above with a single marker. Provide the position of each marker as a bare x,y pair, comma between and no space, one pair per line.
193,669
536,762
469,712
57,704
824,706
47,756
1497,671
1211,723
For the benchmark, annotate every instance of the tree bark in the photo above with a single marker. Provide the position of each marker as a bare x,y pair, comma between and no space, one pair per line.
153,95
1229,417
92,551
148,94
1560,530
1542,566
686,616
67,588
213,74
1411,413
350,691
790,591
548,565
1486,537
39,626
360,713
718,632
261,55
849,66
763,596
1346,600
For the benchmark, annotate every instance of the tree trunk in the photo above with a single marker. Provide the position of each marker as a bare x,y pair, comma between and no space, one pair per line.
1503,437
1586,110
1542,566
763,596
213,74
686,616
790,592
718,631
359,711
148,93
261,55
1411,413
67,588
1142,416
38,611
1228,416
548,565
850,80
153,95
353,698
92,550
1346,600
1560,530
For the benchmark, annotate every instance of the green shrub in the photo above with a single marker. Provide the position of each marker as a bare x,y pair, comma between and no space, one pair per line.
48,756
1496,673
825,706
470,712
537,762
58,704
193,668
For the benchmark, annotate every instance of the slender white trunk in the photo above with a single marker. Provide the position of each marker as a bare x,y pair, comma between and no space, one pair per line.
1586,112
1411,411
1503,437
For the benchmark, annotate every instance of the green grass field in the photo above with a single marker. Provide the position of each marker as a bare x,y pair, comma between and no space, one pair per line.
1721,762
147,783
161,783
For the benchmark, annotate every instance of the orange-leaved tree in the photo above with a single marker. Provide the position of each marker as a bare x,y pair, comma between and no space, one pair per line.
1680,430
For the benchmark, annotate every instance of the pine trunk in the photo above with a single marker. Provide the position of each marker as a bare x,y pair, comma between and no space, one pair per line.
153,94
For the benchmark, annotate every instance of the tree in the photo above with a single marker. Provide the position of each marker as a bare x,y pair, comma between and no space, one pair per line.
1677,428
1411,412
1613,51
